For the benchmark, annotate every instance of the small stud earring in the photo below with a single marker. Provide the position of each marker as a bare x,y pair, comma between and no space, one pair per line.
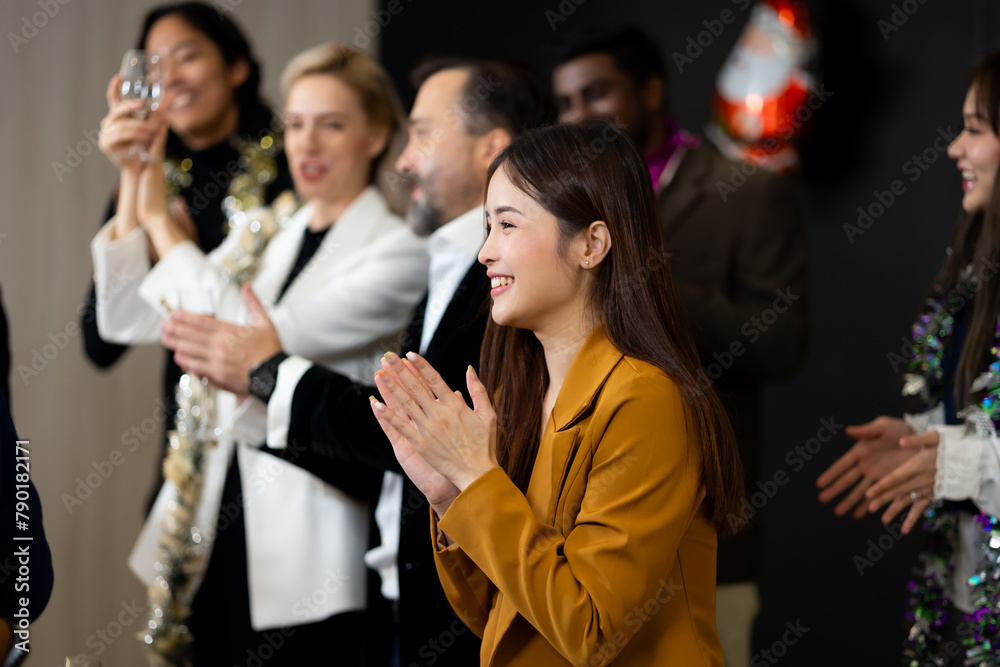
587,262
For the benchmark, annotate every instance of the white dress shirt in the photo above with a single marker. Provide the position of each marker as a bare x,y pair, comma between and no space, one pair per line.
453,248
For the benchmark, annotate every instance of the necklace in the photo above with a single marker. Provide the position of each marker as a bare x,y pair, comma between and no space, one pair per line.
254,169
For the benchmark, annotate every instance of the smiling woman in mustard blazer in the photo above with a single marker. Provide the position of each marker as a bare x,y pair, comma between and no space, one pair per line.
575,523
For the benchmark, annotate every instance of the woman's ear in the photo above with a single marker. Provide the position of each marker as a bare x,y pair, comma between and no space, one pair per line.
239,72
598,244
378,139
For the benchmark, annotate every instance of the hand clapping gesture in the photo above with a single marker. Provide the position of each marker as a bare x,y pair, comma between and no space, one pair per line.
142,196
876,453
441,444
912,483
221,351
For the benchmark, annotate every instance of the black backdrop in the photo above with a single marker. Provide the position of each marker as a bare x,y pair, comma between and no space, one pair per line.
891,92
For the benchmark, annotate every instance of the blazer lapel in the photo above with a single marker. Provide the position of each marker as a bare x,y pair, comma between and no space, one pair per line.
591,367
565,445
415,329
357,226
687,189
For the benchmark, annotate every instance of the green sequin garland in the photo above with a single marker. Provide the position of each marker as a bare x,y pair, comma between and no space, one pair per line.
928,599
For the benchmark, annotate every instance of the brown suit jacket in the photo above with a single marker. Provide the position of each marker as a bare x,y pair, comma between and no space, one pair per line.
737,253
610,555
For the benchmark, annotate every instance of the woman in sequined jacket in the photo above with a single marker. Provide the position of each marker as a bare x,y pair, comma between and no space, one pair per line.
943,460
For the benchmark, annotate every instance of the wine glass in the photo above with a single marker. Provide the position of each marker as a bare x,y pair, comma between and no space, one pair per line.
141,79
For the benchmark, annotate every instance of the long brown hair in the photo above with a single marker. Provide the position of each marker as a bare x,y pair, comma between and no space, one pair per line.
579,174
976,241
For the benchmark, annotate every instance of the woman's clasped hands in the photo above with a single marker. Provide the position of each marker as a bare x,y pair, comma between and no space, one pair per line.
888,465
441,444
142,171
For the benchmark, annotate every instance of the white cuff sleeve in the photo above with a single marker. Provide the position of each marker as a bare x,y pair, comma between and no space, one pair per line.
184,279
120,265
250,421
922,421
279,407
958,454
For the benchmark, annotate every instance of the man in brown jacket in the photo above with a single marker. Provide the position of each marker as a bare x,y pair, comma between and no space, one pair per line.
734,234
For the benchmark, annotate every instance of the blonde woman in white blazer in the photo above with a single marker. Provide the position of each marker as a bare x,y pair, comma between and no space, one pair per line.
347,300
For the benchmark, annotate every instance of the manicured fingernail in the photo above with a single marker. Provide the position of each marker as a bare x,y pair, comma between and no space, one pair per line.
411,355
375,402
471,369
391,358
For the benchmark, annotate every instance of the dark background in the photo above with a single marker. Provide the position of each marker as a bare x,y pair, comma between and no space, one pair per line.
890,95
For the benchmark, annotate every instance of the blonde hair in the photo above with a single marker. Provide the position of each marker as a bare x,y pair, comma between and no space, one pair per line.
378,99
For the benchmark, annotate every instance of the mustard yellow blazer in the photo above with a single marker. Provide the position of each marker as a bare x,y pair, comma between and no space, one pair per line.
610,557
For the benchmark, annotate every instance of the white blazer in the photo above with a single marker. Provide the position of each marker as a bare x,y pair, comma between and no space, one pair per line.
305,539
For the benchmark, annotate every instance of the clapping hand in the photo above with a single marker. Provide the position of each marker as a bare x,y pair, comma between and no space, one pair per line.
912,483
221,351
876,453
441,444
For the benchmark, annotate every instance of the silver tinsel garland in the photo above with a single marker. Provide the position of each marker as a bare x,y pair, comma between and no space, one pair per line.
183,545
